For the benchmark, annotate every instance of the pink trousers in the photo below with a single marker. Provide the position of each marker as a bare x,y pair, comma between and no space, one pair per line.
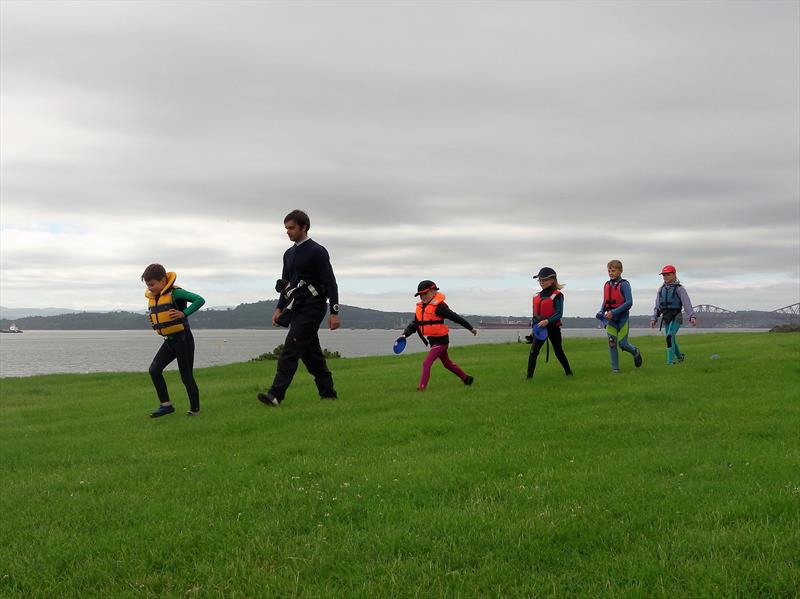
438,352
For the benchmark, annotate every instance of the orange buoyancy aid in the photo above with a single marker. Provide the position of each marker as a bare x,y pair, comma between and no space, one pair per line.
159,306
612,294
428,323
545,307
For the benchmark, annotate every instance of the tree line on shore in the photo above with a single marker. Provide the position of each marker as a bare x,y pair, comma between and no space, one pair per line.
258,315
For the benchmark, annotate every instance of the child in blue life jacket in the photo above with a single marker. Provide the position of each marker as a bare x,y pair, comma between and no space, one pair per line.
548,308
617,302
169,308
671,299
429,324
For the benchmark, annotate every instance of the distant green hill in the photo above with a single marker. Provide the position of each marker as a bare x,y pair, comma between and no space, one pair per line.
258,316
244,316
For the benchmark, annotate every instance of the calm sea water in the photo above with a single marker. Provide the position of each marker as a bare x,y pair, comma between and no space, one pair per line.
48,352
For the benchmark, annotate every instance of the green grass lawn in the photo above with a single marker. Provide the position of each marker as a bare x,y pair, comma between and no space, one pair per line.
664,481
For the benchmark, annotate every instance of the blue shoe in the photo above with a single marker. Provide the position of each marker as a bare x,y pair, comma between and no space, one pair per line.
637,358
162,411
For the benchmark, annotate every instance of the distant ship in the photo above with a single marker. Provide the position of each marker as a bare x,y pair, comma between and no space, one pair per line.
12,329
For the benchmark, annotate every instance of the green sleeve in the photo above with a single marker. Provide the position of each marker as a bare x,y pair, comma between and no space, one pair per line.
196,301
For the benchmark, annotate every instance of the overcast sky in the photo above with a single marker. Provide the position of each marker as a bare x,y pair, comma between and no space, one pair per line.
466,142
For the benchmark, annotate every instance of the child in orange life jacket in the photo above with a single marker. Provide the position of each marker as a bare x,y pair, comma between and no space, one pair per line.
169,307
429,324
548,308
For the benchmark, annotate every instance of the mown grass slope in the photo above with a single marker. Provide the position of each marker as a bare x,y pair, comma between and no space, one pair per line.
658,482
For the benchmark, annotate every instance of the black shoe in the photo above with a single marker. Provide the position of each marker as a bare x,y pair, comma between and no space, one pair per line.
269,399
637,358
469,380
334,396
569,373
162,411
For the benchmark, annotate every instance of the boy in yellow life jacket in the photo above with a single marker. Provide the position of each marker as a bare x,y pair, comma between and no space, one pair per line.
429,324
168,309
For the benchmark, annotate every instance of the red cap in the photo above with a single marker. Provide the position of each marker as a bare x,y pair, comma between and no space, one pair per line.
424,286
668,269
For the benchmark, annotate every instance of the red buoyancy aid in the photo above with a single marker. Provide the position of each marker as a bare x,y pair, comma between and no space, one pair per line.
429,324
612,294
544,307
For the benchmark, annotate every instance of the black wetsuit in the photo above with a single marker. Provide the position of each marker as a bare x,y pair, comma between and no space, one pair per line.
307,261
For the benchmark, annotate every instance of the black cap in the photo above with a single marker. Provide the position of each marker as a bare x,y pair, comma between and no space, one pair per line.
425,286
545,273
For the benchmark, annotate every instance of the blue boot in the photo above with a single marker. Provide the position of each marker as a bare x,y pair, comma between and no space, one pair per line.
162,411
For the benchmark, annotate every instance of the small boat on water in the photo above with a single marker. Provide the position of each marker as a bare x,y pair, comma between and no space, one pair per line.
12,329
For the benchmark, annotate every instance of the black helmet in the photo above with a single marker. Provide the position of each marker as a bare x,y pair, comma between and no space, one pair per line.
424,286
545,273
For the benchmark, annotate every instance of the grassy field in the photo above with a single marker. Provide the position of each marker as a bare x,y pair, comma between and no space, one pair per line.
666,481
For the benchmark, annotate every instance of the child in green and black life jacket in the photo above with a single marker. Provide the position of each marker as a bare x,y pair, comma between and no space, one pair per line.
617,302
169,308
671,298
548,308
429,324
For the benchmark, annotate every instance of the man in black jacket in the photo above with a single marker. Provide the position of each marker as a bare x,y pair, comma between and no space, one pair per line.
306,282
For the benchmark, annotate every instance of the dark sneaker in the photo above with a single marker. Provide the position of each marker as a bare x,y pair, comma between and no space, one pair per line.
637,358
469,380
334,396
569,373
162,411
269,399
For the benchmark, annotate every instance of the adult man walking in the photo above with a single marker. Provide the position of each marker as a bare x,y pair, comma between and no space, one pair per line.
306,282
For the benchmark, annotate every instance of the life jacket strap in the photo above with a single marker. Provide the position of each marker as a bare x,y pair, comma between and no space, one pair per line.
162,308
157,326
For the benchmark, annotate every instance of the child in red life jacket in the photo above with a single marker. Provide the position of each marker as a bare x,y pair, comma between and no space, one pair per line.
429,324
617,302
548,308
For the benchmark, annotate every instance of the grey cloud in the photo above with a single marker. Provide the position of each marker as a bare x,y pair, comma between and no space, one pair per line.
602,123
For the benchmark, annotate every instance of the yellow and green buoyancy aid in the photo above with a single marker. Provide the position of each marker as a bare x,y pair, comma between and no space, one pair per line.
159,306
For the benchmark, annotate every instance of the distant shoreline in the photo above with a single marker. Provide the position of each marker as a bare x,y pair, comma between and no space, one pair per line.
257,316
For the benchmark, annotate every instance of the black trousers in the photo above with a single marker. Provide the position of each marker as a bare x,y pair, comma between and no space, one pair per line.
302,343
181,346
554,335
